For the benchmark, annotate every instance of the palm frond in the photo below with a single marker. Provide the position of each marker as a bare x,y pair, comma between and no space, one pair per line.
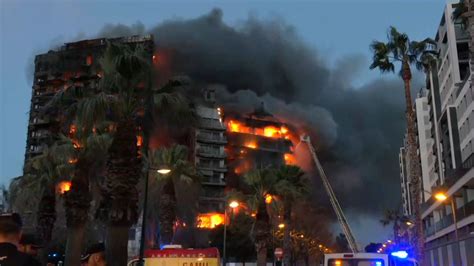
176,158
94,110
381,58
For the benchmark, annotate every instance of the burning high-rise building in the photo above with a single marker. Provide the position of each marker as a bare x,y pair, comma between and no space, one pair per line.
73,64
224,146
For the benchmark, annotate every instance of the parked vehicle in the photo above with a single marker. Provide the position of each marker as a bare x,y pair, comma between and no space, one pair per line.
399,258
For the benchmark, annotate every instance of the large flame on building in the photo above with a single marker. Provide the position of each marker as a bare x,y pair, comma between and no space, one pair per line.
268,131
210,220
271,130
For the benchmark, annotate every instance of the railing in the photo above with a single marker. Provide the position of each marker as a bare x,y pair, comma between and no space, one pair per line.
464,55
430,231
212,124
211,153
446,221
210,137
212,194
460,32
213,180
211,166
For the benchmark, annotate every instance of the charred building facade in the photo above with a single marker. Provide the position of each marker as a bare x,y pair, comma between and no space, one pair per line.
73,64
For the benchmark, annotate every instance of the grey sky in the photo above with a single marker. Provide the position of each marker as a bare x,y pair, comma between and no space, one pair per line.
334,28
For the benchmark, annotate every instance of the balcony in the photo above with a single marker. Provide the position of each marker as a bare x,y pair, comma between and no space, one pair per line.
211,124
37,121
213,181
211,153
446,221
210,166
460,32
213,194
211,138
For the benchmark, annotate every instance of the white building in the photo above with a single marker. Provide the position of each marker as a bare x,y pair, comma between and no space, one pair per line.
446,147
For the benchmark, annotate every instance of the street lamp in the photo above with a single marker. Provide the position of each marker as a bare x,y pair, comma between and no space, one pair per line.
281,226
162,170
441,197
233,204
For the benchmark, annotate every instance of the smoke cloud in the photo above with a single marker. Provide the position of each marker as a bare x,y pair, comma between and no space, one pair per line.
358,130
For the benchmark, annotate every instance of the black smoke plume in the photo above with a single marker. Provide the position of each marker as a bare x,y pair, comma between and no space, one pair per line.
358,130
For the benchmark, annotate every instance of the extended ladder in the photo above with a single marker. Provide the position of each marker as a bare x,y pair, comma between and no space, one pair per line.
332,197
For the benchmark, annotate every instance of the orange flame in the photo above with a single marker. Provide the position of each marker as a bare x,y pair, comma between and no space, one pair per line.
268,131
139,141
72,129
72,160
76,144
268,199
64,187
210,220
251,144
290,159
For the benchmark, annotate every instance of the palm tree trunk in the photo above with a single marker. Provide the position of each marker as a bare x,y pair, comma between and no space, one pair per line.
77,203
46,218
117,245
167,214
286,234
262,233
396,232
414,164
261,255
75,238
119,205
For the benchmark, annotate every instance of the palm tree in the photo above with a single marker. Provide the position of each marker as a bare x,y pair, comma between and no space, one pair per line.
86,152
125,98
49,170
261,183
395,217
182,171
399,49
292,185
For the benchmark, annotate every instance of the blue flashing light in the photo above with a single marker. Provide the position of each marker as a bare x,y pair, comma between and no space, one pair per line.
378,263
400,254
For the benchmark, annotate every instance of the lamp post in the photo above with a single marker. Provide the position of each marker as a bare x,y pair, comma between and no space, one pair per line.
233,204
441,197
163,170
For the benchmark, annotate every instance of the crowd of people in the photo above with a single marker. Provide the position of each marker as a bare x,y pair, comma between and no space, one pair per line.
18,249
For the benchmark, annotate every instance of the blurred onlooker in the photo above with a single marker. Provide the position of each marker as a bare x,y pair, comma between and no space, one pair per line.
95,255
10,234
30,244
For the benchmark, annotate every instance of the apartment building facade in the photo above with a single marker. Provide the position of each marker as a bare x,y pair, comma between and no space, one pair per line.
445,138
